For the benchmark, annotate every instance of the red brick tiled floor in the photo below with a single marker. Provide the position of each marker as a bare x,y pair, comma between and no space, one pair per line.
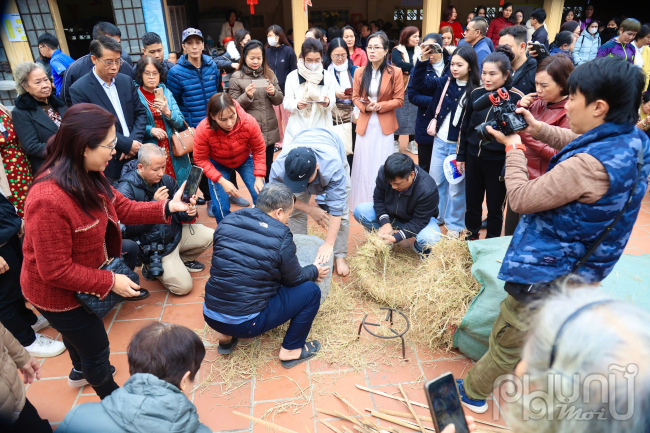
54,398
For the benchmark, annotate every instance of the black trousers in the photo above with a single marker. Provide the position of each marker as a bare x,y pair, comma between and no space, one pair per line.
425,150
512,219
87,342
14,315
270,151
483,178
29,421
354,145
130,251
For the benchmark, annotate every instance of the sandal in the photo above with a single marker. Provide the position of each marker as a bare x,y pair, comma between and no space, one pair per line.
226,349
304,355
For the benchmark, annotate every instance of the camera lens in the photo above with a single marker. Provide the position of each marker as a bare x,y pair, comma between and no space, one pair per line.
482,132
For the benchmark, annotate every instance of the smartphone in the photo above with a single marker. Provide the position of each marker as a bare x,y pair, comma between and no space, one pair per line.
444,403
158,94
435,47
314,102
192,183
540,49
262,83
348,91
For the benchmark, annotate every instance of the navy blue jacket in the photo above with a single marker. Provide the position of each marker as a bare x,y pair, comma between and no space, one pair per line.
449,104
421,97
192,87
254,255
281,60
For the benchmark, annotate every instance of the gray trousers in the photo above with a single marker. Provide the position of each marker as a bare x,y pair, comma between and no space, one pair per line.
298,219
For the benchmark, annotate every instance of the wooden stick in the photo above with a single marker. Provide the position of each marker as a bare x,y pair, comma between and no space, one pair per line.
265,423
336,394
398,421
408,404
338,414
330,426
404,414
414,403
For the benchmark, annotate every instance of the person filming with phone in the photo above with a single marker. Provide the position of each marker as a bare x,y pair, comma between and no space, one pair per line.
169,252
577,217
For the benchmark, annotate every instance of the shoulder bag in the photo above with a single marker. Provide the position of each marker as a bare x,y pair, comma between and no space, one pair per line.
344,131
431,129
182,142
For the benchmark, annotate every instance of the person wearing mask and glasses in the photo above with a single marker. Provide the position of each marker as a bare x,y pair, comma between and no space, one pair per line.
587,45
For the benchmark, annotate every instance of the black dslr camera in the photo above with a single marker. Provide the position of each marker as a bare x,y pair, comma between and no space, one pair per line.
152,255
505,118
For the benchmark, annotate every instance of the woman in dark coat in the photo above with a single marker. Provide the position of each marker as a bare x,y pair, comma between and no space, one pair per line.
37,113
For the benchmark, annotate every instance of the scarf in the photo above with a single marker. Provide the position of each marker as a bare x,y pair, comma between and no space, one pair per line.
417,52
344,77
254,72
439,66
312,91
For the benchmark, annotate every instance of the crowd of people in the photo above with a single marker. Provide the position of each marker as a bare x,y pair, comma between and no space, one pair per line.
94,166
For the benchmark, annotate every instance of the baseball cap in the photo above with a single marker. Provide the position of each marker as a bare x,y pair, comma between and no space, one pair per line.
191,32
299,166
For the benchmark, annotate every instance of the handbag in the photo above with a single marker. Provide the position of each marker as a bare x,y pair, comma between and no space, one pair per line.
182,142
344,131
431,129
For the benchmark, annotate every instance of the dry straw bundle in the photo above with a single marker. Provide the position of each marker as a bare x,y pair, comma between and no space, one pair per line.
434,293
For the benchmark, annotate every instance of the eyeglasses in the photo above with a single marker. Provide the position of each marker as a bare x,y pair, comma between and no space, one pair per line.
111,63
112,146
151,74
340,57
375,48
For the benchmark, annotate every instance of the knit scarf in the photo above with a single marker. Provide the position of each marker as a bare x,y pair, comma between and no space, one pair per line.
313,79
254,72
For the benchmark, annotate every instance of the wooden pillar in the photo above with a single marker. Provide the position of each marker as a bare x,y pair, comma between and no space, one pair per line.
58,26
300,22
17,52
168,26
432,13
554,9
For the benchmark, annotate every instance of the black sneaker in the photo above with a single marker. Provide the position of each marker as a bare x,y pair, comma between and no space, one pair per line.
210,212
146,275
77,379
200,201
238,201
194,266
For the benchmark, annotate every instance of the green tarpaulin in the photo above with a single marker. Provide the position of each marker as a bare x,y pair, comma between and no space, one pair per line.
630,280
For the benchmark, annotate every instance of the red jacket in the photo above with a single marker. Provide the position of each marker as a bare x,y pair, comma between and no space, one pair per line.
456,27
496,25
538,153
64,247
230,149
359,57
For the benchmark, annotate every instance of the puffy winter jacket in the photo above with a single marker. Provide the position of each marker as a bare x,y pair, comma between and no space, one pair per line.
483,48
539,154
253,256
128,185
145,404
614,48
192,87
12,391
586,48
496,25
230,148
282,60
261,105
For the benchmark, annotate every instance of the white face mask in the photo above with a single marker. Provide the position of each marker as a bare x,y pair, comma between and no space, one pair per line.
312,66
272,41
592,30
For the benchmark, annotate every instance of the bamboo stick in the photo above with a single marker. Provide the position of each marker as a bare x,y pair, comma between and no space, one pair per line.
397,421
330,426
265,423
414,403
408,404
426,418
336,394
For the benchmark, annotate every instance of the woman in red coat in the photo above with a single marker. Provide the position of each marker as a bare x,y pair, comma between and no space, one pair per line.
229,139
449,19
500,23
72,226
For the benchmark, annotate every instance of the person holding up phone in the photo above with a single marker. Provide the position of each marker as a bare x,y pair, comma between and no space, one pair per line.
247,87
163,114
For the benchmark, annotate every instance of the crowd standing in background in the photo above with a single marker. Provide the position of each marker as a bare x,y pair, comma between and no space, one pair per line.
90,176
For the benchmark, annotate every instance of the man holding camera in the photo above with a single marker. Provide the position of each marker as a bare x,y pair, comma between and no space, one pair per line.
168,251
577,217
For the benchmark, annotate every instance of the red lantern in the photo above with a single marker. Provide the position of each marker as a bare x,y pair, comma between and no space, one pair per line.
252,3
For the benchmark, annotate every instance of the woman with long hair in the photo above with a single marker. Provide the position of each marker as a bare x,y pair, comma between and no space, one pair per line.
567,15
499,23
519,19
450,19
72,227
481,11
356,54
339,65
404,56
242,37
589,17
317,33
258,103
548,105
453,104
563,44
483,160
573,27
310,92
378,90
281,58
448,39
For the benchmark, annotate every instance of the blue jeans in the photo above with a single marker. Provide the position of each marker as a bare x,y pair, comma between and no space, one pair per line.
366,216
298,303
220,203
452,197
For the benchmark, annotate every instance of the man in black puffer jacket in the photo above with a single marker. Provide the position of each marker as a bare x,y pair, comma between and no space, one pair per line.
256,282
145,180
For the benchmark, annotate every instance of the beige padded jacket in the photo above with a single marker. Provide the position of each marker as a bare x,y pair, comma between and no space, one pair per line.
12,391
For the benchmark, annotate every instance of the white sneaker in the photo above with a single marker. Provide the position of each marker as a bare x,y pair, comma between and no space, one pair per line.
41,323
412,147
45,347
396,148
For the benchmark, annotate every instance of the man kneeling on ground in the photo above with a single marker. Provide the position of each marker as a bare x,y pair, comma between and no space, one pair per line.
404,207
182,242
256,282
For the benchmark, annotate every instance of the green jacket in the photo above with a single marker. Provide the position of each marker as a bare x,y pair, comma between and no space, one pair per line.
145,404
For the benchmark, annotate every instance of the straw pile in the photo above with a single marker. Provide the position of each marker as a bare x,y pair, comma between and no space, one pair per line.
434,293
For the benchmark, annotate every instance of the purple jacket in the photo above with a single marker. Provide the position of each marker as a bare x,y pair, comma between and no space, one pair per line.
614,48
